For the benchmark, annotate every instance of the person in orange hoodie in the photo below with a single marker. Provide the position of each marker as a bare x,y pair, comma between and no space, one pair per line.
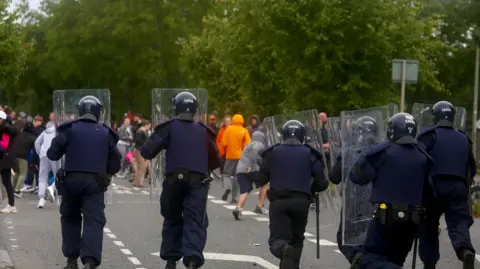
234,140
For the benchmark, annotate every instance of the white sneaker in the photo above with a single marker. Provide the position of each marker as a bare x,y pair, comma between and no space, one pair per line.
9,209
25,188
51,192
41,203
29,189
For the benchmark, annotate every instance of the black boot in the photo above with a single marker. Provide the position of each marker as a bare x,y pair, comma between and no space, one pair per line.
90,266
298,256
288,258
357,261
429,266
225,195
171,265
192,265
468,258
71,264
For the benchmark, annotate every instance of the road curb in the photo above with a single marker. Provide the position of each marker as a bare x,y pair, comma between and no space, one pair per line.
6,261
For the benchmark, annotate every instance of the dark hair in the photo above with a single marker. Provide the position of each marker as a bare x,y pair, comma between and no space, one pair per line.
8,111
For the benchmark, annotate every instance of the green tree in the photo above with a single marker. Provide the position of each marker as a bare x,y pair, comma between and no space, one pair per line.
13,52
328,54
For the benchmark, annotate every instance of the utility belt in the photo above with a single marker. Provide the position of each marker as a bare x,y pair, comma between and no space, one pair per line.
387,213
187,176
273,195
103,180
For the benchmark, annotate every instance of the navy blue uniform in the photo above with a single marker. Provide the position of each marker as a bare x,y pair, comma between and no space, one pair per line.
289,169
349,251
400,175
454,168
90,151
190,156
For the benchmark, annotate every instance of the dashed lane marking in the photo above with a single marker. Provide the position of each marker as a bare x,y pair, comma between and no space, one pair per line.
11,234
124,250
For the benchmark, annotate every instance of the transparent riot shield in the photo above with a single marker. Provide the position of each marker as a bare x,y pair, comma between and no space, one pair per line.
423,115
357,211
65,109
309,118
65,104
162,111
334,142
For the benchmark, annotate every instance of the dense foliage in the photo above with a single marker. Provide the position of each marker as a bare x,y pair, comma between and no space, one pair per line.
264,56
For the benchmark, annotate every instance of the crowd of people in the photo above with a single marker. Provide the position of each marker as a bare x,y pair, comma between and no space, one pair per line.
25,168
239,148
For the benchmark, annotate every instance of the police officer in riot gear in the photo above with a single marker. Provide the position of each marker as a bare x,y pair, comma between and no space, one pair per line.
365,128
399,171
191,154
452,175
289,168
91,157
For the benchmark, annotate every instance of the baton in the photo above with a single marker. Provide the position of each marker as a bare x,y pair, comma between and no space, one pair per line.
317,213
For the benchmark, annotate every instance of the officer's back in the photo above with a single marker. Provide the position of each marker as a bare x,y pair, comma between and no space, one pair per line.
399,171
190,155
91,157
452,175
451,149
289,168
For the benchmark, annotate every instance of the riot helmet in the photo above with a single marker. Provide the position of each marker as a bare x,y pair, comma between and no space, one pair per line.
401,125
443,111
90,106
293,129
185,103
365,127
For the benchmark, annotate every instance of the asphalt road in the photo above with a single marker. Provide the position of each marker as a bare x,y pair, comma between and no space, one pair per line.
133,234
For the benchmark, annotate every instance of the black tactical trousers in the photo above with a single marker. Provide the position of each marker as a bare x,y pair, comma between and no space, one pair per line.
288,219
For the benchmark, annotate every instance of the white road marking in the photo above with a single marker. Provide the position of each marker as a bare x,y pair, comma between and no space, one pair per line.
220,202
323,242
13,239
477,256
8,222
262,219
112,236
119,192
231,207
10,227
308,234
211,197
339,252
128,192
134,260
119,243
126,251
145,192
235,258
248,213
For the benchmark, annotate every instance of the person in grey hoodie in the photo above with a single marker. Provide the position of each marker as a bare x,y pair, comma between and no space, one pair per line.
247,168
42,144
